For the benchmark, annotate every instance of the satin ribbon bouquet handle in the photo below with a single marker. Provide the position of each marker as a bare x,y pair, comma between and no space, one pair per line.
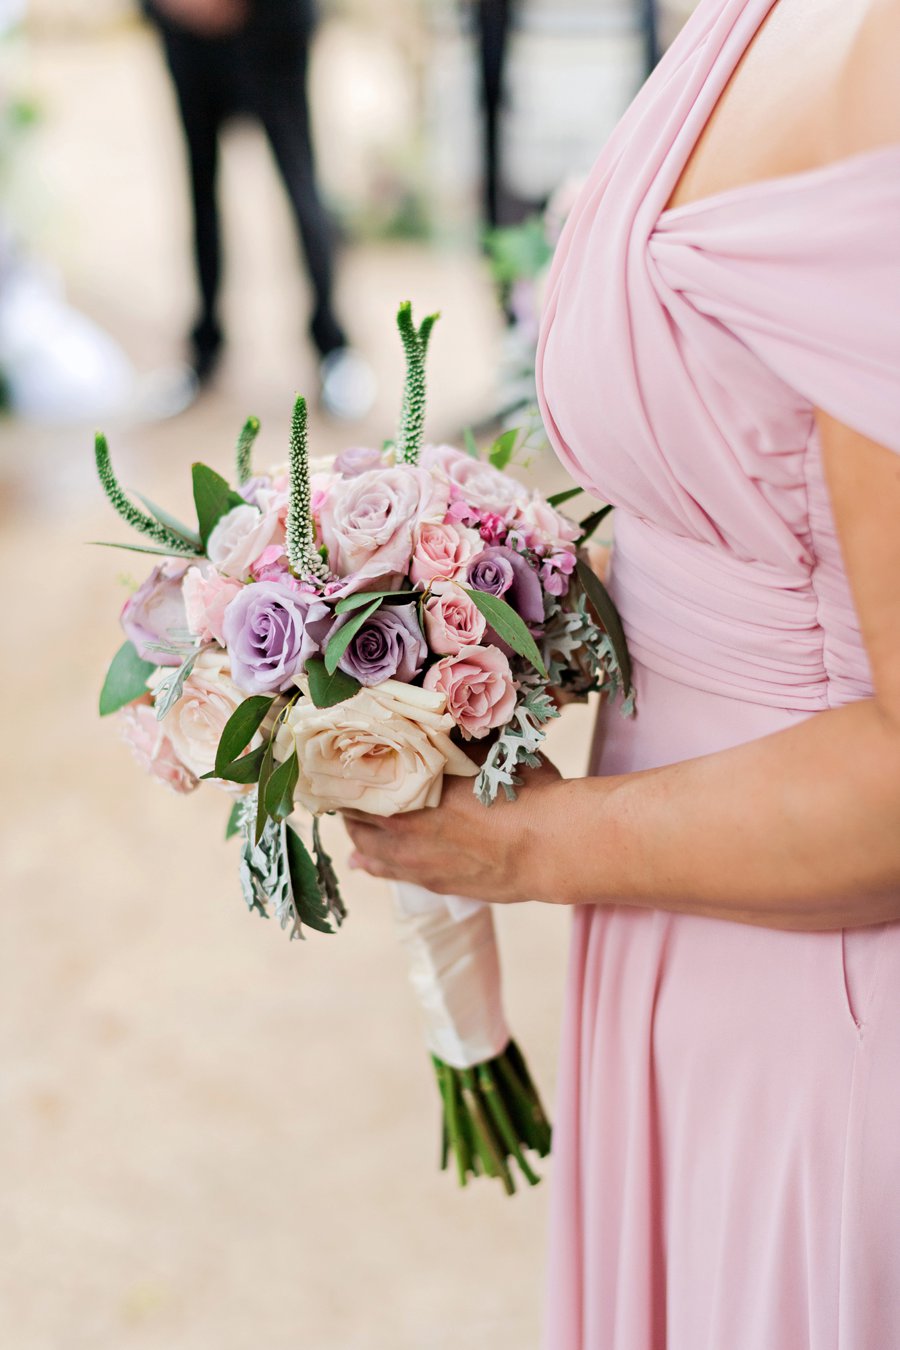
333,636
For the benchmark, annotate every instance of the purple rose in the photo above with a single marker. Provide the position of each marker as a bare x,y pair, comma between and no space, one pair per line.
389,646
249,490
271,631
358,459
155,615
502,571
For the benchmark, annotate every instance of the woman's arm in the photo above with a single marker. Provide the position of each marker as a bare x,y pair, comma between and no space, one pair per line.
800,829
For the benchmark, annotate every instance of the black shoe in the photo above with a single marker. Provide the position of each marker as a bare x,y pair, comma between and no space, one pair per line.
206,349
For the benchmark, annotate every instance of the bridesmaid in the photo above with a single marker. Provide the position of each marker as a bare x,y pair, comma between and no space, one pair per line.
720,358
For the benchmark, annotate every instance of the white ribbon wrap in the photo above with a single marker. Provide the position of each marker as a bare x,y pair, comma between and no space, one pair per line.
455,971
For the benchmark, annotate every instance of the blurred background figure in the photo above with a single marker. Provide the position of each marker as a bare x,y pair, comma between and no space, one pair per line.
55,363
251,57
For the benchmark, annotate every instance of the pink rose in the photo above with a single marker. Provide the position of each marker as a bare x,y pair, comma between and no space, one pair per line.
441,551
440,458
206,593
452,619
151,747
543,525
239,538
367,522
479,687
481,485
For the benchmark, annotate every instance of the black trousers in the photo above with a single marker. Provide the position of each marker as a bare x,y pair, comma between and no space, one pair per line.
261,72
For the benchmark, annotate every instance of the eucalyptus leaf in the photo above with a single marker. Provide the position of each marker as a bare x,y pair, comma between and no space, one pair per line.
244,769
341,640
501,452
590,523
279,790
234,821
171,687
566,496
508,625
240,729
125,680
266,769
601,603
326,689
213,499
351,602
470,443
309,901
190,536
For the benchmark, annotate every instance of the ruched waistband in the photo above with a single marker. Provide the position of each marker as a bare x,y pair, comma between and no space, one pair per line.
701,616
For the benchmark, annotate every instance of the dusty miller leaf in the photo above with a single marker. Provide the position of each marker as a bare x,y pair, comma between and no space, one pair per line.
171,687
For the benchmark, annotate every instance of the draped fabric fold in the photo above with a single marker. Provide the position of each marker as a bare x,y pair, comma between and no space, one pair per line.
729,1097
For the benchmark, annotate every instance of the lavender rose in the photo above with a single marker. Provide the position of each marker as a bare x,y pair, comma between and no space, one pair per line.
389,646
155,615
356,460
502,571
270,632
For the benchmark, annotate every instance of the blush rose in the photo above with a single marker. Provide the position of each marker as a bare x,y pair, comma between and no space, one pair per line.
479,688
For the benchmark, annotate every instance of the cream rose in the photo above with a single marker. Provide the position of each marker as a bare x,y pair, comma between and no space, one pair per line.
239,538
384,751
195,723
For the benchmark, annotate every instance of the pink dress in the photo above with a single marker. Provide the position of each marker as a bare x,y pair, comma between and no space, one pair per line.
727,1144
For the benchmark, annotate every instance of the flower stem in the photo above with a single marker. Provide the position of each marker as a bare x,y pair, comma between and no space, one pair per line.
492,1114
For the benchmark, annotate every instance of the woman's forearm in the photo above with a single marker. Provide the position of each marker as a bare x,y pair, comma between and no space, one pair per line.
800,829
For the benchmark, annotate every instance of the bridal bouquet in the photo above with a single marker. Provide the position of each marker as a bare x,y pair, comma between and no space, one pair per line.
337,638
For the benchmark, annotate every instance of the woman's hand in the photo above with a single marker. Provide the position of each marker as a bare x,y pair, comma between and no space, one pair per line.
460,847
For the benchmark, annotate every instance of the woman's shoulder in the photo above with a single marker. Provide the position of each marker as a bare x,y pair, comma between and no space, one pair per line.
867,108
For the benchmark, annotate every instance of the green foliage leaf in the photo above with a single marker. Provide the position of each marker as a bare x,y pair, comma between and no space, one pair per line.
338,644
501,452
279,790
266,769
186,552
470,443
213,499
518,251
310,904
190,536
240,729
234,822
125,680
351,602
566,496
244,769
601,603
590,523
326,689
507,624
